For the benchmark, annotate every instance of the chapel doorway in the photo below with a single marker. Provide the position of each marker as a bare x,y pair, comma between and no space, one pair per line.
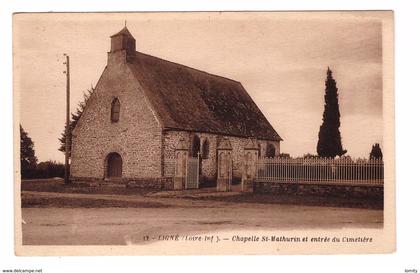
196,152
114,166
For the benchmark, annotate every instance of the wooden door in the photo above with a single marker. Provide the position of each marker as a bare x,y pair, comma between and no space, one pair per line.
114,166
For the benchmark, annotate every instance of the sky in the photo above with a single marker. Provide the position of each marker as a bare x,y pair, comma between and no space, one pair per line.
280,58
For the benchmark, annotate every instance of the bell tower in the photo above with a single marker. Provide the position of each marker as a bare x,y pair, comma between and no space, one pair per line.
123,40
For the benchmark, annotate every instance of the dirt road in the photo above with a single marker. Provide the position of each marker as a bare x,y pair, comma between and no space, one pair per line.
122,226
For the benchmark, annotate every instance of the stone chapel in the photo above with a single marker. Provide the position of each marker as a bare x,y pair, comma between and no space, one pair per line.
143,106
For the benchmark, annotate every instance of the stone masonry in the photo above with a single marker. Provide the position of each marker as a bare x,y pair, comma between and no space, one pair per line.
138,143
209,165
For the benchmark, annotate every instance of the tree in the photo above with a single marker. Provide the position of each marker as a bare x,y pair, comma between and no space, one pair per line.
28,159
329,137
309,155
50,169
73,122
376,152
284,155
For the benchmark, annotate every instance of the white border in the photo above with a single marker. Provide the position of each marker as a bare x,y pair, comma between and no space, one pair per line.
407,92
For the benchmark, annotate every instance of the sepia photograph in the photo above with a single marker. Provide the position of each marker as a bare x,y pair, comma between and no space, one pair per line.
196,133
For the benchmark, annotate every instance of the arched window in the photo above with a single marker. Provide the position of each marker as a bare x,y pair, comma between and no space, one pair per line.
115,110
270,151
205,149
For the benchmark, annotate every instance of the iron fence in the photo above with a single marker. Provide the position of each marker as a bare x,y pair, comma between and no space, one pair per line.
321,170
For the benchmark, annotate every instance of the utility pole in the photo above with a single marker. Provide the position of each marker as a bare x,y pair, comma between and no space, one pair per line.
66,160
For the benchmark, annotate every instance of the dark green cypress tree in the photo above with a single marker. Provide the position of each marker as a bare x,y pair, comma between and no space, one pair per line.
329,137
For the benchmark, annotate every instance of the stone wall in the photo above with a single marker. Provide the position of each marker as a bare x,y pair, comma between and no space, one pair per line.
136,136
209,165
161,183
375,192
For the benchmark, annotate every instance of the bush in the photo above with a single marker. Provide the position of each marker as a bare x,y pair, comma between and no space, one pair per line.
309,155
46,169
284,155
376,152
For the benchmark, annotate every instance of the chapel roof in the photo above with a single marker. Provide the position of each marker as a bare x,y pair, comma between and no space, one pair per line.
123,31
188,99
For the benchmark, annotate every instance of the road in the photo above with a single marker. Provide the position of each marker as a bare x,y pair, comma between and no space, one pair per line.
126,226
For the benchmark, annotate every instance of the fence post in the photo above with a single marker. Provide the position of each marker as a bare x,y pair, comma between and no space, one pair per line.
224,165
249,171
181,156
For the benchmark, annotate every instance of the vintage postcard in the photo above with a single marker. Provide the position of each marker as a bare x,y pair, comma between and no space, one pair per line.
192,133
